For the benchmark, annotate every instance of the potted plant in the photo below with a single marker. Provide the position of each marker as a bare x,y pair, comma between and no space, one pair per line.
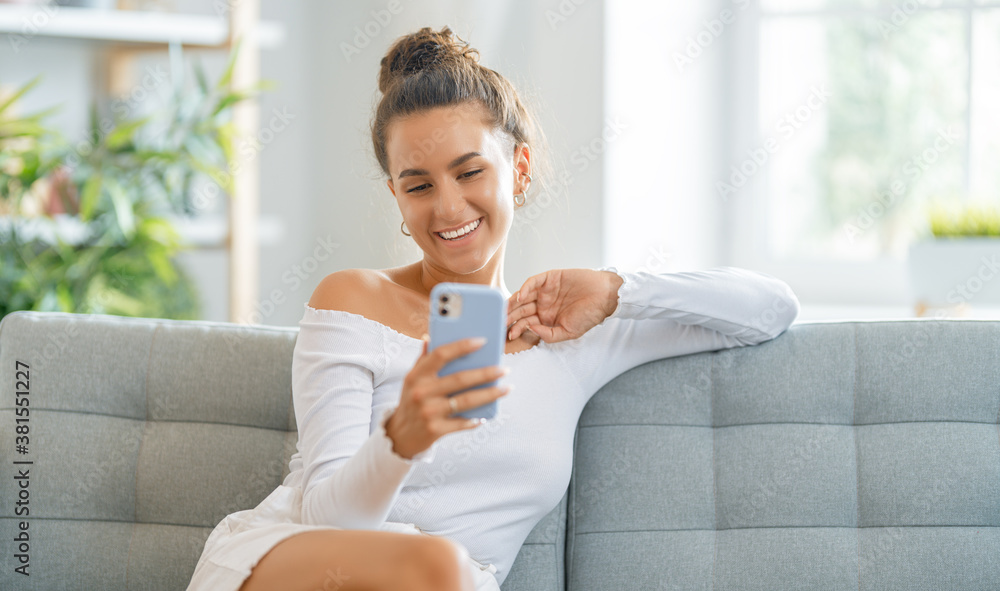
87,228
959,265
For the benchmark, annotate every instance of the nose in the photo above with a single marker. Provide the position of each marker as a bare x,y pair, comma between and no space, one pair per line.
450,203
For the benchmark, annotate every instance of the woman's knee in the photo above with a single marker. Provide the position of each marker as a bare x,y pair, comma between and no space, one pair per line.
362,559
439,563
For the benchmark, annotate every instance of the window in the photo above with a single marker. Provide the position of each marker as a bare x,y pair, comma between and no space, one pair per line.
861,113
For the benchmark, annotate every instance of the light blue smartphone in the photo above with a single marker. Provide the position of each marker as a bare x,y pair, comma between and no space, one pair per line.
467,310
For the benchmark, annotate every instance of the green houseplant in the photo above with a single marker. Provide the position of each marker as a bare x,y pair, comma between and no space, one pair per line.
958,264
112,194
964,221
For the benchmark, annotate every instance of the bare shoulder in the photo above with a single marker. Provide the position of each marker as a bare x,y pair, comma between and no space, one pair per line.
347,290
376,295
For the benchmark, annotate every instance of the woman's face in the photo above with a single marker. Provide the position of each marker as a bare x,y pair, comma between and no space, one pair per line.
448,169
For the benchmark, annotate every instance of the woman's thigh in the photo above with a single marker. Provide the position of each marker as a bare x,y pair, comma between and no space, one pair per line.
346,560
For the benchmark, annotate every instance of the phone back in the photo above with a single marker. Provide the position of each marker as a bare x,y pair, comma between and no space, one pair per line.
464,310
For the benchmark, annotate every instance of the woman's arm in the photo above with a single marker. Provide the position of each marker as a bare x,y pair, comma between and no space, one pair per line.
671,314
351,477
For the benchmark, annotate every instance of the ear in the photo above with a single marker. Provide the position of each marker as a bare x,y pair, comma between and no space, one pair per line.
522,160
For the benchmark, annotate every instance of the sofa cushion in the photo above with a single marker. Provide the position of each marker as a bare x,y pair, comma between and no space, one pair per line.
838,456
145,433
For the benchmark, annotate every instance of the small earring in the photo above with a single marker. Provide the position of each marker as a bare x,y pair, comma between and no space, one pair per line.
401,226
524,193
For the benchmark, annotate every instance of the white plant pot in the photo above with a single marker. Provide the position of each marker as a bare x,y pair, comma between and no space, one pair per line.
954,271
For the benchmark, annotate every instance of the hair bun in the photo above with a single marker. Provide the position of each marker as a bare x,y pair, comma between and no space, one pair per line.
422,50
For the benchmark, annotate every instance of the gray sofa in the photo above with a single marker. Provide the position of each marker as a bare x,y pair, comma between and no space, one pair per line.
858,455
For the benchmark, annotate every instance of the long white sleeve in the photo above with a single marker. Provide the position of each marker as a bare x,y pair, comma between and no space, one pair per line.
351,476
670,314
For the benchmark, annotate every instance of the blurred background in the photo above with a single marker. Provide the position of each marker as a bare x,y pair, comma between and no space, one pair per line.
212,159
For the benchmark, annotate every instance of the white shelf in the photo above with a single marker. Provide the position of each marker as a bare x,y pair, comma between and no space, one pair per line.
204,232
130,26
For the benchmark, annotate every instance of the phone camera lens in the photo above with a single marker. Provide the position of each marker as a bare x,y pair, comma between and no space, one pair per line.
444,298
444,311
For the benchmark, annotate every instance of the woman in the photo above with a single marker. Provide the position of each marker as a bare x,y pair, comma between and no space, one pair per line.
387,490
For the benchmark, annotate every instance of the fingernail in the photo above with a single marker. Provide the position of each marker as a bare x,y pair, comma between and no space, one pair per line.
510,336
424,337
479,341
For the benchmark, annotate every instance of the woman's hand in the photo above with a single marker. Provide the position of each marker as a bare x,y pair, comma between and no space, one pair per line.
424,412
562,304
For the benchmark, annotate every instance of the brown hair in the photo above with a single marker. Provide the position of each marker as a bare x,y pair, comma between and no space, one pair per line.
429,69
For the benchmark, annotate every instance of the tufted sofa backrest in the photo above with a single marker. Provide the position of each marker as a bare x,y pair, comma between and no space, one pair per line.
848,455
142,435
852,455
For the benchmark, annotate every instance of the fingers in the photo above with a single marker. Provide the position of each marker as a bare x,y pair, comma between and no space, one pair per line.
549,334
479,397
426,417
527,293
470,400
513,302
468,378
439,357
524,312
522,325
424,375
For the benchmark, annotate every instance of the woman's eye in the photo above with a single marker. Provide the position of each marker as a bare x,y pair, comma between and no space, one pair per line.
466,175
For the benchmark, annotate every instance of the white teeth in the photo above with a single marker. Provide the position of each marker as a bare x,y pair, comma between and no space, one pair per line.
460,232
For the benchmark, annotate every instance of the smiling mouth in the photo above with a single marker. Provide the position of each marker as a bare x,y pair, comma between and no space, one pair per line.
478,223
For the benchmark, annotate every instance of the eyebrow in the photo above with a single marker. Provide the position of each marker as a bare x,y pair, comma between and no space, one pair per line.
456,162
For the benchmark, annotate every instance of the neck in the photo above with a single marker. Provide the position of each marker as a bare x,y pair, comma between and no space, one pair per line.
492,274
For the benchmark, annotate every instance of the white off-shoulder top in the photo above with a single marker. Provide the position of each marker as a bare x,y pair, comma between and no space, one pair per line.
488,487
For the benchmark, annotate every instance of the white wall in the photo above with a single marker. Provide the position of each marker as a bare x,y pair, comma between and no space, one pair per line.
665,72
